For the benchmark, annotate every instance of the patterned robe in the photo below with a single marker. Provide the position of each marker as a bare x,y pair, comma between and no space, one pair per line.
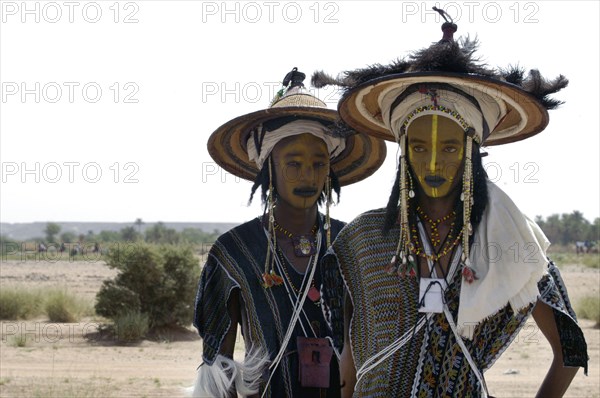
431,363
237,261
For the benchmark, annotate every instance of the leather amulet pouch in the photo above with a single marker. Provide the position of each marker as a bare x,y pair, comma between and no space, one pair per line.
314,358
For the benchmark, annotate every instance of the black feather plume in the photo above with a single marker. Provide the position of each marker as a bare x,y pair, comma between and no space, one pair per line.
541,88
449,56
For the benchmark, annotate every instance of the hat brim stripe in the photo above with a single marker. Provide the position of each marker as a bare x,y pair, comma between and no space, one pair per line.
227,145
363,100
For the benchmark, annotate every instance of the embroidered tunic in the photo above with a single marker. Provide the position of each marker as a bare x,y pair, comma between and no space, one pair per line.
431,363
236,261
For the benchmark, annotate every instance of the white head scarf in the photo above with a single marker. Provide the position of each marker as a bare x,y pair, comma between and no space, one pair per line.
335,145
449,104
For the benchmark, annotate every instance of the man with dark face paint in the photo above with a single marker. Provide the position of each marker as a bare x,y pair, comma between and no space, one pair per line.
264,276
440,282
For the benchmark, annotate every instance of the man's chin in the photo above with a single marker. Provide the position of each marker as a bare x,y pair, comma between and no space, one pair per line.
437,193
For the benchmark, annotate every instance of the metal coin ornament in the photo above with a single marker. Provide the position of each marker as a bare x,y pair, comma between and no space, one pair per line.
304,246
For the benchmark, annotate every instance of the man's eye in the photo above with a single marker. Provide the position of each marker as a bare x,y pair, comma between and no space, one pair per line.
419,149
450,149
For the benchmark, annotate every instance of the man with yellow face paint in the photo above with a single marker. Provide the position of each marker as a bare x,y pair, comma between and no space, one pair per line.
263,277
440,282
435,153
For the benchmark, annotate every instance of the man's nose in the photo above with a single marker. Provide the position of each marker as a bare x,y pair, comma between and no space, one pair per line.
434,165
308,173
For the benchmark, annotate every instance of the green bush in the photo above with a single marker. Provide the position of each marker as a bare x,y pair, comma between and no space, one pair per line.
20,303
158,281
62,306
131,326
589,308
113,300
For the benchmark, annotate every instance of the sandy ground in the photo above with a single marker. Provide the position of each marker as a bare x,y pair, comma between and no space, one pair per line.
71,360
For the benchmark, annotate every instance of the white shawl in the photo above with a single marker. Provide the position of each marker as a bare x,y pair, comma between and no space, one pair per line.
509,257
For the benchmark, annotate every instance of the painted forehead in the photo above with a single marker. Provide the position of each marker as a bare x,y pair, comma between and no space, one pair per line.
446,128
288,144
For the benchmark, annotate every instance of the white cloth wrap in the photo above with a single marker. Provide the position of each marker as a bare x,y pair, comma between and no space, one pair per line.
335,145
491,109
509,257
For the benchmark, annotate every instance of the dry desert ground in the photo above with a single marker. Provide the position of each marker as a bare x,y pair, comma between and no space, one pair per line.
71,360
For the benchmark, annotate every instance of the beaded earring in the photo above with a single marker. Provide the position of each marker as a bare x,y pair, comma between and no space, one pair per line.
466,196
270,277
403,262
411,189
328,202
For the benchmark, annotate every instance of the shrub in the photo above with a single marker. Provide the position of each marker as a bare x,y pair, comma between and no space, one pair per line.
131,326
114,300
63,307
20,303
589,308
157,281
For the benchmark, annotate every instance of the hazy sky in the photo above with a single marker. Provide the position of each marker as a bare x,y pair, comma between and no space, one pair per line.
106,106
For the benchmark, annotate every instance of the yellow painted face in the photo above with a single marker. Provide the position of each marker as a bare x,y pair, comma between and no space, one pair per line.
436,147
301,166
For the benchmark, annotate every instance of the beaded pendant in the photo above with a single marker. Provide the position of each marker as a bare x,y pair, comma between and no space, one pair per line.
271,279
314,295
468,273
407,267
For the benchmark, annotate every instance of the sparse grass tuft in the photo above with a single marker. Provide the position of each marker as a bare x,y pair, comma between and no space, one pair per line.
131,327
19,340
20,303
591,260
62,306
74,388
589,308
27,303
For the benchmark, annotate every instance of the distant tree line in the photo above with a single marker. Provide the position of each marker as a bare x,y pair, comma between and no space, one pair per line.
566,228
157,234
563,229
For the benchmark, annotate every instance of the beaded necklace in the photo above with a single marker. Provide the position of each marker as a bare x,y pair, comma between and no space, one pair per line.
313,292
304,245
449,242
435,234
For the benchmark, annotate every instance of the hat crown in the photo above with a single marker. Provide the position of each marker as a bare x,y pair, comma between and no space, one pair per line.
228,145
299,97
294,94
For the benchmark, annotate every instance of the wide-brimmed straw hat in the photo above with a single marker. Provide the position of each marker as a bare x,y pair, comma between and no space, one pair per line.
361,157
525,115
524,100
